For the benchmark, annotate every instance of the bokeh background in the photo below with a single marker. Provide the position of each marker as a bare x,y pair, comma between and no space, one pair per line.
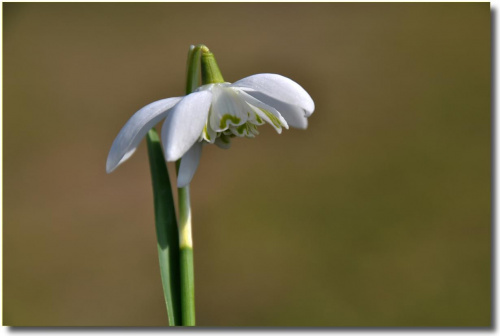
377,215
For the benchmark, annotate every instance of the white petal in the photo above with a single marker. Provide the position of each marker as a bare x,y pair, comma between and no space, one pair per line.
189,164
135,129
294,115
280,88
208,133
228,109
184,124
274,118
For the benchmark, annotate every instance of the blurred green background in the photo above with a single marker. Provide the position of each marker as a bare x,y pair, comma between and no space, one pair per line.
377,215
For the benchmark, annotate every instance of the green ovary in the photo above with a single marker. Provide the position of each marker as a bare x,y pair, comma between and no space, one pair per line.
225,138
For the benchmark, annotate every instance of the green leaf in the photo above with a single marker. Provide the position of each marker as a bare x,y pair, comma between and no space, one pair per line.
166,229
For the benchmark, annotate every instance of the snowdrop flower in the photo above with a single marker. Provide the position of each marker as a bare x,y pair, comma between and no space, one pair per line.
214,114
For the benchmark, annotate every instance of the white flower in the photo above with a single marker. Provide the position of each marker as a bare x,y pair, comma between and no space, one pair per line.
213,114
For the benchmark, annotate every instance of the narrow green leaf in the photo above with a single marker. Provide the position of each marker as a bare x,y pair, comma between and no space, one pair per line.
166,229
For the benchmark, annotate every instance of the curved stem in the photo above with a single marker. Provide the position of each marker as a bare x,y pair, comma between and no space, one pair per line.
193,67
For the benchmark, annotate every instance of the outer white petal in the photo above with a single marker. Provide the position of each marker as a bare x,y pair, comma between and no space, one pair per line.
294,115
189,164
135,129
184,124
280,88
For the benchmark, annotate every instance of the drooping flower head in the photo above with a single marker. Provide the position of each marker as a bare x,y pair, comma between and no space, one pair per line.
216,112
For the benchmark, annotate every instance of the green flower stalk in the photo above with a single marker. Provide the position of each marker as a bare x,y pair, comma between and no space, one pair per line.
214,113
186,258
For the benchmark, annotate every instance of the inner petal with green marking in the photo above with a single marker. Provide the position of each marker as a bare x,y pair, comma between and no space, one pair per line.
235,113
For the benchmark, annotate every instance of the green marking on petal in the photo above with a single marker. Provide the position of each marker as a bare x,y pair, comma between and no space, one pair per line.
271,116
252,129
241,129
226,117
259,119
207,136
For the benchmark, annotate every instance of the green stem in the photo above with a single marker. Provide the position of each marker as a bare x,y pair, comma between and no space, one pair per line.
186,258
166,229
